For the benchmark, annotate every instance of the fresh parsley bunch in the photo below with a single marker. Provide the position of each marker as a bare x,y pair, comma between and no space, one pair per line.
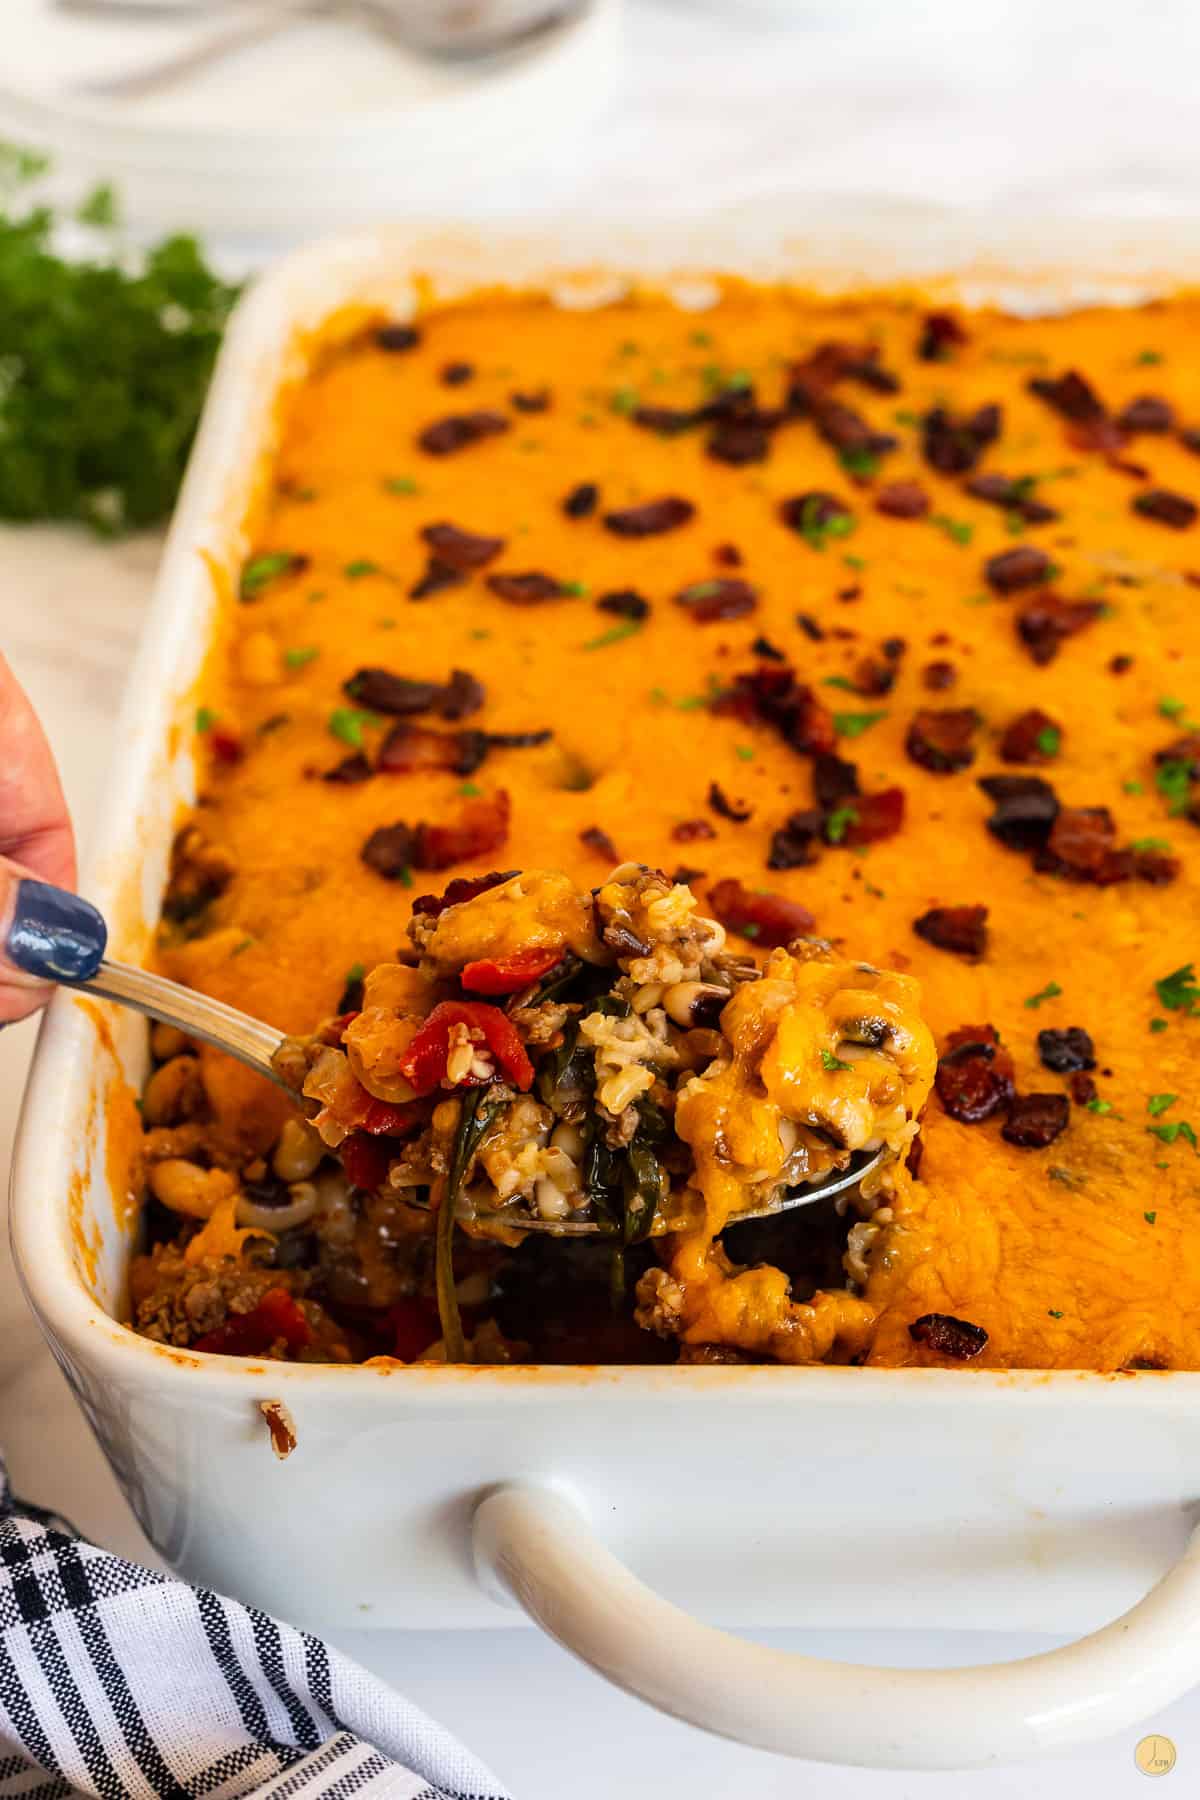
103,367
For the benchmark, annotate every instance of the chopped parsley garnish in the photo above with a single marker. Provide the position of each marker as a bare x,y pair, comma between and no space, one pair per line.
245,943
858,462
1158,1024
260,571
614,634
1173,779
1052,1312
1178,1128
578,590
362,565
1133,787
957,530
817,526
1150,843
840,681
1150,1217
839,821
401,484
100,208
701,339
354,973
624,400
1149,357
1171,709
1158,1103
1049,740
1051,991
1103,1107
700,590
206,718
902,416
853,724
749,930
854,562
1178,991
300,655
469,791
348,722
743,752
831,1062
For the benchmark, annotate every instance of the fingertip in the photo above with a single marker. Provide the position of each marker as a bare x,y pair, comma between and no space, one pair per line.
54,935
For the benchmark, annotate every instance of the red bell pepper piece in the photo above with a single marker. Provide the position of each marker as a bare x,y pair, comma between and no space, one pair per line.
415,1326
276,1316
424,1062
365,1160
387,1118
508,974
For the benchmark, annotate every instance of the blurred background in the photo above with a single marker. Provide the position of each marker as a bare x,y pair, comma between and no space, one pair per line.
256,124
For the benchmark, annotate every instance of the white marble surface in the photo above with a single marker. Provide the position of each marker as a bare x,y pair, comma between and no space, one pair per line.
1009,105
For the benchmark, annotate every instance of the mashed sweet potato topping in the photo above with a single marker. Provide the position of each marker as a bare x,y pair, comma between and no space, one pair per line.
860,621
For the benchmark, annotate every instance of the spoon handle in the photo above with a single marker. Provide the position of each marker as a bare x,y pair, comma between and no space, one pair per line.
249,1040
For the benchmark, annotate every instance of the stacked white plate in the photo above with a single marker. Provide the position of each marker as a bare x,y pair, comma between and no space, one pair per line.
328,123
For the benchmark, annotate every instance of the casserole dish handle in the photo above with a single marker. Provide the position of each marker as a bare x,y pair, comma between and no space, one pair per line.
534,1547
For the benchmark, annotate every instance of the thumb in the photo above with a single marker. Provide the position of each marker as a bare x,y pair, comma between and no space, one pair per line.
46,935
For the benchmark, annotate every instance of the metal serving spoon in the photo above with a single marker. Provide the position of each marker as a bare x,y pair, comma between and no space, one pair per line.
254,1044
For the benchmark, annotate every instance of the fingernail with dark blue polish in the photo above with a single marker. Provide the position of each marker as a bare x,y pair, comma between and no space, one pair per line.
55,935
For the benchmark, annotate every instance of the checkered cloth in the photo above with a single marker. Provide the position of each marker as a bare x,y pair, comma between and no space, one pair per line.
119,1682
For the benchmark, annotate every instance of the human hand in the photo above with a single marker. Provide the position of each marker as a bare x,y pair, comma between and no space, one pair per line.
46,931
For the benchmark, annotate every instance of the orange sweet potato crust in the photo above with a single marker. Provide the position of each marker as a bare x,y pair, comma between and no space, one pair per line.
870,574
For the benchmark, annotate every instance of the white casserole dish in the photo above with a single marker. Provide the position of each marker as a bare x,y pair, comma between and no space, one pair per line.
757,1496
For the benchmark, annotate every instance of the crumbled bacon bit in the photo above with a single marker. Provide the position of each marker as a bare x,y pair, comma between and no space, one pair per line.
226,746
974,1074
941,333
1013,495
667,421
463,887
1035,1120
793,844
651,518
409,749
1082,1088
772,694
388,851
626,603
1046,621
723,597
960,929
1025,808
1175,510
724,808
1077,401
739,442
1023,738
767,918
684,875
727,555
351,769
1147,413
765,648
1120,665
938,675
948,1336
807,513
455,374
839,425
689,831
1124,465
481,828
397,337
1082,841
812,628
873,676
536,400
1025,566
834,781
530,589
954,445
438,575
902,500
461,549
581,502
893,648
458,430
382,692
942,741
594,838
461,696
875,817
1066,1050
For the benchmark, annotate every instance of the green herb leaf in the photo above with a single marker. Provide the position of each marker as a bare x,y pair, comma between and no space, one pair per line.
858,462
1158,1103
838,822
743,752
262,570
1178,1128
1158,1024
206,718
298,656
1052,1312
853,724
1173,779
1150,843
1171,709
1133,787
354,571
956,529
839,681
100,208
1149,357
347,723
475,1115
1149,1217
1051,991
579,590
1178,991
624,400
831,1062
1103,1107
854,562
401,484
1049,740
614,635
469,791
